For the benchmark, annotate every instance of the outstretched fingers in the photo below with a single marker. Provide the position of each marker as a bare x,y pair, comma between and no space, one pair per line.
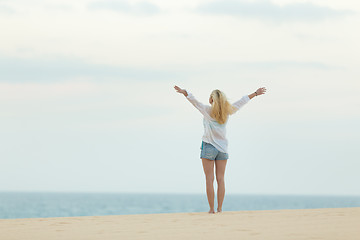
261,90
179,90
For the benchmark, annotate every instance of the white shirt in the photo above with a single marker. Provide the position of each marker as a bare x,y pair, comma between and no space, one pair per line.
214,132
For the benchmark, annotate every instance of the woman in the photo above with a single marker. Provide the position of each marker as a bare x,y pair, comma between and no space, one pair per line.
214,142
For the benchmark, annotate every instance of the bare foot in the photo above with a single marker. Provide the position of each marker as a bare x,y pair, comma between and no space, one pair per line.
211,211
219,211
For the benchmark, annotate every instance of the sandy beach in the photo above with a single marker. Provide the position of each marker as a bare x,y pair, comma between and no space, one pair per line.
326,223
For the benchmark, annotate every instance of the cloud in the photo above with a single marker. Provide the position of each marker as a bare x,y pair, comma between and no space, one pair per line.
44,70
6,10
141,8
19,70
266,10
270,65
255,66
58,7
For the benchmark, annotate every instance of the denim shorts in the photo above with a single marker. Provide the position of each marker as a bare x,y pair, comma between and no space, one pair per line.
208,151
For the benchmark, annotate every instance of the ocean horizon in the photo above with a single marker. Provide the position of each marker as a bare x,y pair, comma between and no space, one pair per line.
70,204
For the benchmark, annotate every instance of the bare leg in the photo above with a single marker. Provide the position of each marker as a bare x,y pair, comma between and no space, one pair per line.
209,175
220,172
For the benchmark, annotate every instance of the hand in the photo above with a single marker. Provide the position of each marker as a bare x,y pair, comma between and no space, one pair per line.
179,90
260,91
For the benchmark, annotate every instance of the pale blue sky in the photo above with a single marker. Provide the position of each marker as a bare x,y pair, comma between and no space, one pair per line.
267,10
87,100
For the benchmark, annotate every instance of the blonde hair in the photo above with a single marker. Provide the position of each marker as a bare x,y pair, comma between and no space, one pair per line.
221,108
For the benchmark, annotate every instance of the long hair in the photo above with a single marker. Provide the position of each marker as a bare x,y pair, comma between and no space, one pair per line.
221,108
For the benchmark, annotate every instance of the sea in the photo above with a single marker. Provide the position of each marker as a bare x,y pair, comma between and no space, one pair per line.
62,204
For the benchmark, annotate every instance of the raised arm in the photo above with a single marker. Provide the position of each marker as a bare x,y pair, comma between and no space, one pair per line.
200,106
240,103
258,92
245,99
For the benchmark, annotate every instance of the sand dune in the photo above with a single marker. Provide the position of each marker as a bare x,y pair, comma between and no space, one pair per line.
326,223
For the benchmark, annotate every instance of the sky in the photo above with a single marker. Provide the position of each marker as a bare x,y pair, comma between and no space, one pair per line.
87,100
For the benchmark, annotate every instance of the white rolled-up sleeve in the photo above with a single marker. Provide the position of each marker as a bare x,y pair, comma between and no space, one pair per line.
200,106
240,103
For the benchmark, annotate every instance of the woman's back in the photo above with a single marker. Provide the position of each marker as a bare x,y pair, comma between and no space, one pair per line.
214,132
